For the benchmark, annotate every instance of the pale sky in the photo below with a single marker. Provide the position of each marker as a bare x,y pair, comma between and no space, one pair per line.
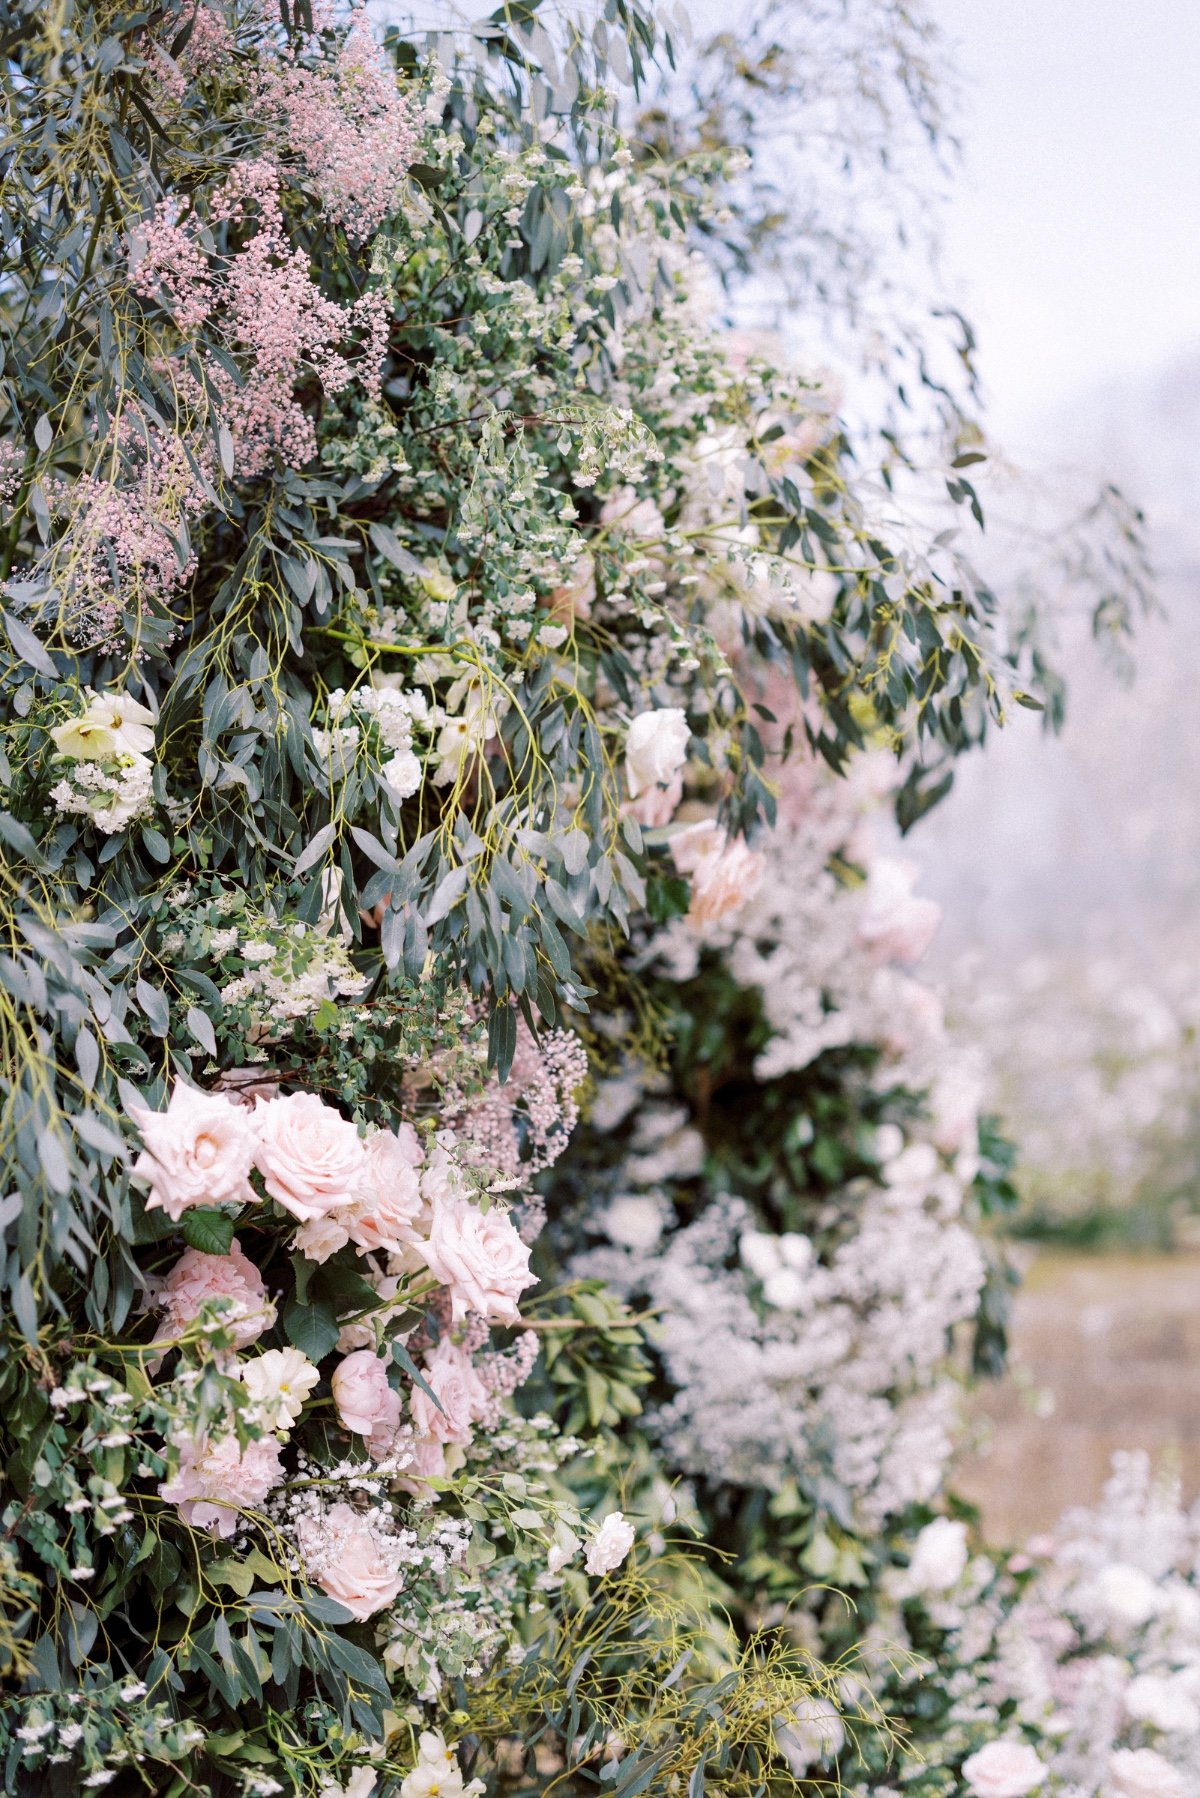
1074,235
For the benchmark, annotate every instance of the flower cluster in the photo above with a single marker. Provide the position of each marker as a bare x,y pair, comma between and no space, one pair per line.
103,757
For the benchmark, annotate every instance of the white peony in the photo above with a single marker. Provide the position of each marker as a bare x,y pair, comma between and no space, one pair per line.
656,745
1129,1596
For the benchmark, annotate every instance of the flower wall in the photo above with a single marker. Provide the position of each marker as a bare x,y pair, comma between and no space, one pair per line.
491,1224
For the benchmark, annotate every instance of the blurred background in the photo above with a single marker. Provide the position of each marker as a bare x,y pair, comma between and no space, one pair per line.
1069,868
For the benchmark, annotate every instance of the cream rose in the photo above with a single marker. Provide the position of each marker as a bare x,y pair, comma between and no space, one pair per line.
199,1151
197,1277
724,874
310,1158
354,1562
479,1258
656,745
1004,1770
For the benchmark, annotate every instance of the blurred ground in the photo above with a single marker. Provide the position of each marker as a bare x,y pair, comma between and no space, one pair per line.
1105,1350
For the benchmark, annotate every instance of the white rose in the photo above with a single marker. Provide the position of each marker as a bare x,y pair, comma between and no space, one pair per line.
1142,1773
939,1557
656,745
611,1543
1004,1770
279,1381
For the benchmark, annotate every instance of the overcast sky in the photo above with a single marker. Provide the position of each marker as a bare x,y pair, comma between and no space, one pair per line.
1075,231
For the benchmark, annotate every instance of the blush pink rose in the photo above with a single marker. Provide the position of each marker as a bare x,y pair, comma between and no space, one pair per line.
724,874
387,1207
199,1151
216,1482
657,805
322,1237
480,1259
365,1402
352,1559
310,1158
197,1277
450,1373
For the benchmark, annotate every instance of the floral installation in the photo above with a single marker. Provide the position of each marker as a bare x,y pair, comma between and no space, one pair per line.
486,1200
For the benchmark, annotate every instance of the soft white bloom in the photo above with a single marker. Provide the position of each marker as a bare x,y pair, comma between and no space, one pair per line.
635,1220
1129,1596
130,724
1004,1770
1143,1773
361,1784
1167,1702
279,1381
812,1731
939,1557
610,1545
437,1773
656,745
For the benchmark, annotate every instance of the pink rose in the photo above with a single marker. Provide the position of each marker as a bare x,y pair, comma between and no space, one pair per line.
724,874
216,1482
462,1395
353,1559
199,1151
479,1257
657,805
365,1402
311,1159
196,1277
387,1205
1004,1770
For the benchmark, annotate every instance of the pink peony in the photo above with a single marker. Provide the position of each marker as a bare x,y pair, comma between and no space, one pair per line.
462,1395
311,1159
196,1277
199,1151
479,1257
387,1205
1004,1770
365,1402
724,874
353,1560
216,1482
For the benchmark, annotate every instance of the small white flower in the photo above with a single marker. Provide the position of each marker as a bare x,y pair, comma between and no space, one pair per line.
279,1381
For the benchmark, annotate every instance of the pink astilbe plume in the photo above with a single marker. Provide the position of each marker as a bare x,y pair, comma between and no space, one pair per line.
347,119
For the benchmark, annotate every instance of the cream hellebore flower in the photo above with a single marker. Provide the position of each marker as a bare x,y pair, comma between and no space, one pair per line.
656,746
611,1543
437,1773
111,726
279,1381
